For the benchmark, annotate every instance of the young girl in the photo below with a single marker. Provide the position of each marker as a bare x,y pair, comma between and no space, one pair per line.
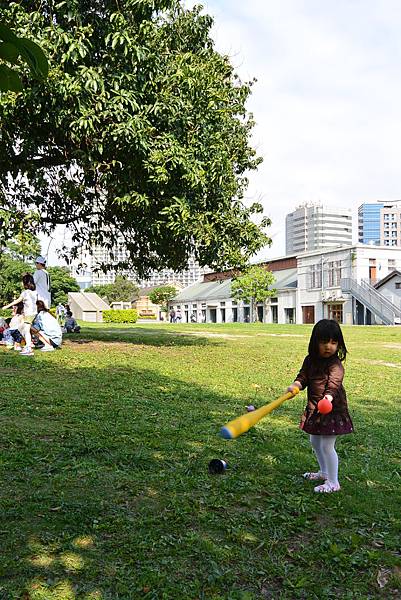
28,298
322,373
13,334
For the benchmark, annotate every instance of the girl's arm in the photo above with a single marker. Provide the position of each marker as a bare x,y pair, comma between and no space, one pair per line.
20,299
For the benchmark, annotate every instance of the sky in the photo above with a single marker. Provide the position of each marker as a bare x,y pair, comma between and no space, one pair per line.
327,101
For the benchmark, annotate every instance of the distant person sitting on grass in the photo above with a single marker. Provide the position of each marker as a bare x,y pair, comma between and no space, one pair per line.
12,336
28,298
70,325
46,328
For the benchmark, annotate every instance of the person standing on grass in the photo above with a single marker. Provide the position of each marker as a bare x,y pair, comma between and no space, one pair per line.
322,373
42,281
28,298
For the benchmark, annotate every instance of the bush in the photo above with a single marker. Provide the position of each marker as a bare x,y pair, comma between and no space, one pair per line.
129,315
147,316
6,313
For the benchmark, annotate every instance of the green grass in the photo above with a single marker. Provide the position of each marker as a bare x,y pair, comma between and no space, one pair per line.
105,492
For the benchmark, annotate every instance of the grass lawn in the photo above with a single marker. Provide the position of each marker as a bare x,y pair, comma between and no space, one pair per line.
105,492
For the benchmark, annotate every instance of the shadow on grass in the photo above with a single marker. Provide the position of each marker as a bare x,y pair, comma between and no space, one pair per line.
106,495
145,336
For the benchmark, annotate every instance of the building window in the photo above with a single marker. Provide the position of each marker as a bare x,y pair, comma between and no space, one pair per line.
316,276
391,264
398,285
334,272
336,312
289,315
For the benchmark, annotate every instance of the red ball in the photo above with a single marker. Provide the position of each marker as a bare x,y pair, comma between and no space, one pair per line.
324,406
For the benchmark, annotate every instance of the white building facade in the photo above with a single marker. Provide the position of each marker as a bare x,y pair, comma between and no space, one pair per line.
313,226
335,283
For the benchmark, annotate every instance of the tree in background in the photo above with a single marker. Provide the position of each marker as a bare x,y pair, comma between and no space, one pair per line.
61,283
16,259
139,133
122,290
162,296
253,286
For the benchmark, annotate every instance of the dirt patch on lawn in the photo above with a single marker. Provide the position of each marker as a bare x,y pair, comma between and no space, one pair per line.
97,346
234,335
381,362
394,346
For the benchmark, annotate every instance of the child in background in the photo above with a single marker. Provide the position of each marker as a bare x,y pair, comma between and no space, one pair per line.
12,334
322,373
28,298
71,326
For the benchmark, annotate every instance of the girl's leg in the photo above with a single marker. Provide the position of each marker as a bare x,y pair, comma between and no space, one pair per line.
25,330
328,449
315,441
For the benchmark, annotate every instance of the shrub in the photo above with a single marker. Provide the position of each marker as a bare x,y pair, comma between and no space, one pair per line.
129,315
5,313
147,316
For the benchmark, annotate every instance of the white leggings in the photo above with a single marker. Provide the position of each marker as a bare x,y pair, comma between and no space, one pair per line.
324,447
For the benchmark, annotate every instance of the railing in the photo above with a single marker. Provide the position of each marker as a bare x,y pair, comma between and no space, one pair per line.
391,305
371,298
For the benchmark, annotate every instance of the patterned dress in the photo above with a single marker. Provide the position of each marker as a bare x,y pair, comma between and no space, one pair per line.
321,377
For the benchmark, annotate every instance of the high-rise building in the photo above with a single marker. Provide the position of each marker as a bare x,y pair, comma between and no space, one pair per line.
390,224
369,223
313,226
193,273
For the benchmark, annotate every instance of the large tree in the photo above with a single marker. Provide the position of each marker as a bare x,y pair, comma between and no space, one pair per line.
139,133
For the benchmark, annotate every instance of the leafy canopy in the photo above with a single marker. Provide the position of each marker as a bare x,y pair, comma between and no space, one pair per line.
255,284
162,295
139,133
13,50
122,290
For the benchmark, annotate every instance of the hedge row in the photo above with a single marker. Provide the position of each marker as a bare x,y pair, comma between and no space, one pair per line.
129,315
147,316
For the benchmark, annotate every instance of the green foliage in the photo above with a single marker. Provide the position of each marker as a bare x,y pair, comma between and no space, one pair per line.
140,134
148,317
162,295
61,283
5,313
129,315
14,257
255,284
13,49
122,290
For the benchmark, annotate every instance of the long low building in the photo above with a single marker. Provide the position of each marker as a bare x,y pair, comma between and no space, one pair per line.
339,283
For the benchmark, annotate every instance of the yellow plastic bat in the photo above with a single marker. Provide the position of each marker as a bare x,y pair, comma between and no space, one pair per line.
243,423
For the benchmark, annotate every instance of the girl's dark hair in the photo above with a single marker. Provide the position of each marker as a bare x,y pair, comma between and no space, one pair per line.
41,306
324,330
28,282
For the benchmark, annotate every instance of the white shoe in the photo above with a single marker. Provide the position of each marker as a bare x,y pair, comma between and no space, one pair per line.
26,352
47,349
